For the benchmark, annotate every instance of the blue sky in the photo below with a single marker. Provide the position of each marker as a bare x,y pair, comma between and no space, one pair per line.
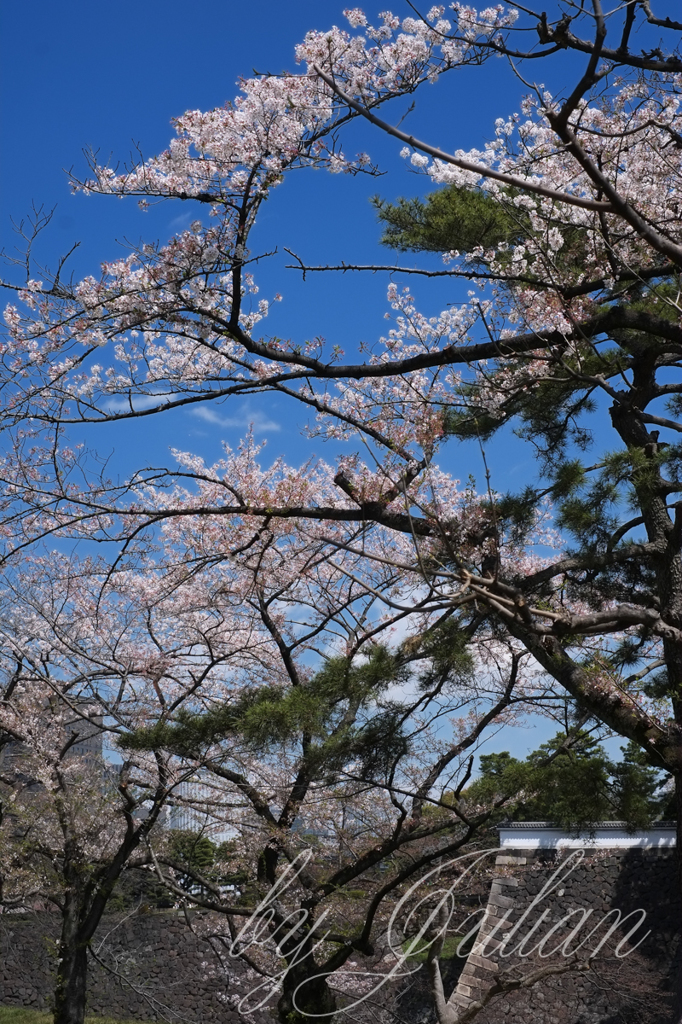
79,75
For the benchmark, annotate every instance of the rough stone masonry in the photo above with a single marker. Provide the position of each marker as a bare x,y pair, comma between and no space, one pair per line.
159,969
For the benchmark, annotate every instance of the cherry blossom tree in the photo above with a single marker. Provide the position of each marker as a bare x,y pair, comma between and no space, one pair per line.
201,675
574,311
81,666
360,763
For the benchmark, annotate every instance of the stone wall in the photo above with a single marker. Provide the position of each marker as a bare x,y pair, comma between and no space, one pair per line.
156,967
162,970
616,989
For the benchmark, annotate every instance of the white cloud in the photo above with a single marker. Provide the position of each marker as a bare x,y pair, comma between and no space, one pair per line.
139,402
261,424
182,221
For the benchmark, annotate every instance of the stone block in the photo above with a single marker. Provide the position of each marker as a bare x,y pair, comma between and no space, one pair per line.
473,988
496,900
460,1000
504,880
483,962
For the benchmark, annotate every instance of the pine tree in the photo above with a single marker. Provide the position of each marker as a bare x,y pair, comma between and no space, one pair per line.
574,785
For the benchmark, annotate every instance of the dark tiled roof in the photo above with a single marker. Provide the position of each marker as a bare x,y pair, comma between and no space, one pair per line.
584,828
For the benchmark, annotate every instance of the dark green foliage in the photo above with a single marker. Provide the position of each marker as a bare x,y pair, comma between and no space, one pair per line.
451,218
657,685
517,513
465,219
449,656
378,744
574,787
139,888
475,423
337,714
193,849
636,788
195,852
551,413
569,478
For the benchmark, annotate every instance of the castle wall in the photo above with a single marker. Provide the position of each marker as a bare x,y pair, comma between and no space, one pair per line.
620,985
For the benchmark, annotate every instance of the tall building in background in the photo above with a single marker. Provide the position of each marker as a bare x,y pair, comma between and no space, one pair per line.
196,808
88,730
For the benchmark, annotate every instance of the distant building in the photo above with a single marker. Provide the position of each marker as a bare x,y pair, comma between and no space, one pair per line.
195,807
88,730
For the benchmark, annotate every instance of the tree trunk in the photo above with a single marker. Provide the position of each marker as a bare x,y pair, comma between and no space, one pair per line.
72,970
677,1010
312,999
